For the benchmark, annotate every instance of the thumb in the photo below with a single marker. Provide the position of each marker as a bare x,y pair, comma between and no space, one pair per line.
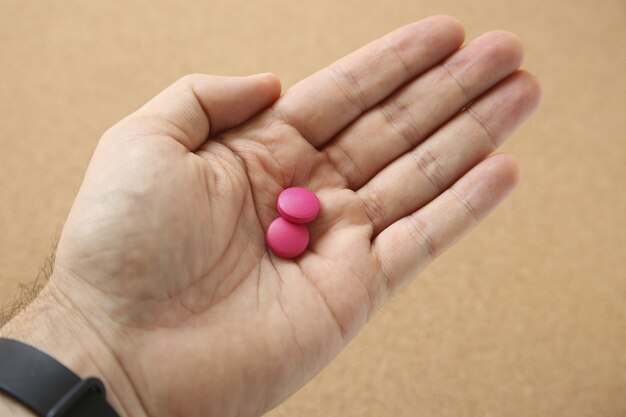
198,105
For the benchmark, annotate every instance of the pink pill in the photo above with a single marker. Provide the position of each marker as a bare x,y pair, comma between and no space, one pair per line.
287,239
298,205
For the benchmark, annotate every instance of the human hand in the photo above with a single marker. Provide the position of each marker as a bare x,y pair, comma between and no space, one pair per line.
162,276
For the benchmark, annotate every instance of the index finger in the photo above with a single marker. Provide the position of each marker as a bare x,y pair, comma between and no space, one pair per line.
324,103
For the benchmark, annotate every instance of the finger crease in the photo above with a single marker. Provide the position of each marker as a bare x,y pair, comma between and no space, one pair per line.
386,279
490,135
427,165
468,97
348,160
396,52
426,240
406,136
357,99
374,209
466,204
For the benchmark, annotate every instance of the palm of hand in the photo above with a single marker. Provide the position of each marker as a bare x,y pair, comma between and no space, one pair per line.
193,256
181,230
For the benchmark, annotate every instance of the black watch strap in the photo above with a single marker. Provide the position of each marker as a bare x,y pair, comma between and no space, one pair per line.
46,387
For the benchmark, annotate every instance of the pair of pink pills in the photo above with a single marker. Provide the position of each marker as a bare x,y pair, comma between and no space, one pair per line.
288,236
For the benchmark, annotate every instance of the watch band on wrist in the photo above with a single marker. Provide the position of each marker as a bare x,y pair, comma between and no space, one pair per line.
47,387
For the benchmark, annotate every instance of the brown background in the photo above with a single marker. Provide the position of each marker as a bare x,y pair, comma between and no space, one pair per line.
526,317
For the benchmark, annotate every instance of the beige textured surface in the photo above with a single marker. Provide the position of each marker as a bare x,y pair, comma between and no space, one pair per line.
526,317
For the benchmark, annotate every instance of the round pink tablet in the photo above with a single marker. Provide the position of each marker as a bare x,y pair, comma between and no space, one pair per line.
298,205
287,239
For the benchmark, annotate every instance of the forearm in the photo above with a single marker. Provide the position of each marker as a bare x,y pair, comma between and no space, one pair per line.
54,327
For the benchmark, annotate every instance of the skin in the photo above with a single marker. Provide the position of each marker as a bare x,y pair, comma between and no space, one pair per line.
163,285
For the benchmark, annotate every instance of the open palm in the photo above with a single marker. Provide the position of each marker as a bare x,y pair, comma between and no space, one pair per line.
164,250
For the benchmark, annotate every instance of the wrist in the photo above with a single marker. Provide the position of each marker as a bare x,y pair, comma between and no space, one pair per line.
53,325
10,408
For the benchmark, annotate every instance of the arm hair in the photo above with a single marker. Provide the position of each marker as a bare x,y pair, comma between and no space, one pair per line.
27,292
